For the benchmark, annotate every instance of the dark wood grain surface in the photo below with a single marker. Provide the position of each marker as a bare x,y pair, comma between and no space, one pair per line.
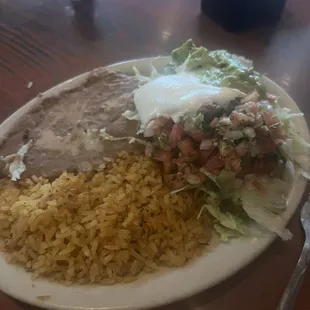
43,42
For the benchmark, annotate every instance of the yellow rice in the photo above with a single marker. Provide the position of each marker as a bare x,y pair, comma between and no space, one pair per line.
103,227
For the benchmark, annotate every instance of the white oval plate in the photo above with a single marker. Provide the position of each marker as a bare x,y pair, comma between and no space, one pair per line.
159,288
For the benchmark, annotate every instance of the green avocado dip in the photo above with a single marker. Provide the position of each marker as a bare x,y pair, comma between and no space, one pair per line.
218,68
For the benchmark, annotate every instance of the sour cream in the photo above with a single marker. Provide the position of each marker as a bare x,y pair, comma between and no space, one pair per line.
174,95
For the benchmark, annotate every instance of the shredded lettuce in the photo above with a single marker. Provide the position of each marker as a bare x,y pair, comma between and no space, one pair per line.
162,142
225,224
294,148
14,162
225,219
144,79
229,219
210,176
199,121
227,180
225,233
285,114
131,115
141,78
185,188
154,73
231,203
105,136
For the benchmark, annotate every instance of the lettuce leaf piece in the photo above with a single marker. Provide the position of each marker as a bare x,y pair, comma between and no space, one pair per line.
267,219
226,177
198,121
180,54
294,148
285,115
198,59
266,209
224,222
210,176
233,204
274,197
231,210
225,233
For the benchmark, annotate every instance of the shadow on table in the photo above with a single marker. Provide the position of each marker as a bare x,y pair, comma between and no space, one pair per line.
84,19
206,297
209,31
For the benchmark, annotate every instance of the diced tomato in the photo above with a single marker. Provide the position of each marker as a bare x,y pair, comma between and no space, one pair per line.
202,176
262,132
242,148
168,165
253,107
166,158
266,165
214,122
235,118
176,134
197,135
204,155
274,124
270,118
162,155
214,165
234,164
177,184
267,145
238,119
149,150
187,148
183,160
162,125
278,133
271,98
259,167
206,144
267,117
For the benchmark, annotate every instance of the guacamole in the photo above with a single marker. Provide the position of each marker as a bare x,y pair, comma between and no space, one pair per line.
218,68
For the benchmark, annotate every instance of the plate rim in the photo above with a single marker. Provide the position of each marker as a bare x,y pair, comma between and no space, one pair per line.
72,83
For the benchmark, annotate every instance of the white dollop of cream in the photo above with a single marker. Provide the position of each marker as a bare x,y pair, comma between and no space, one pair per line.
174,95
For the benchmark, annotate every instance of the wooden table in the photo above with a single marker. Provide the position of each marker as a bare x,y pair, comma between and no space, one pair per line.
42,42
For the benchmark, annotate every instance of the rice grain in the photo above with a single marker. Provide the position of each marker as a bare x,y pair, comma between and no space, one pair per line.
102,227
